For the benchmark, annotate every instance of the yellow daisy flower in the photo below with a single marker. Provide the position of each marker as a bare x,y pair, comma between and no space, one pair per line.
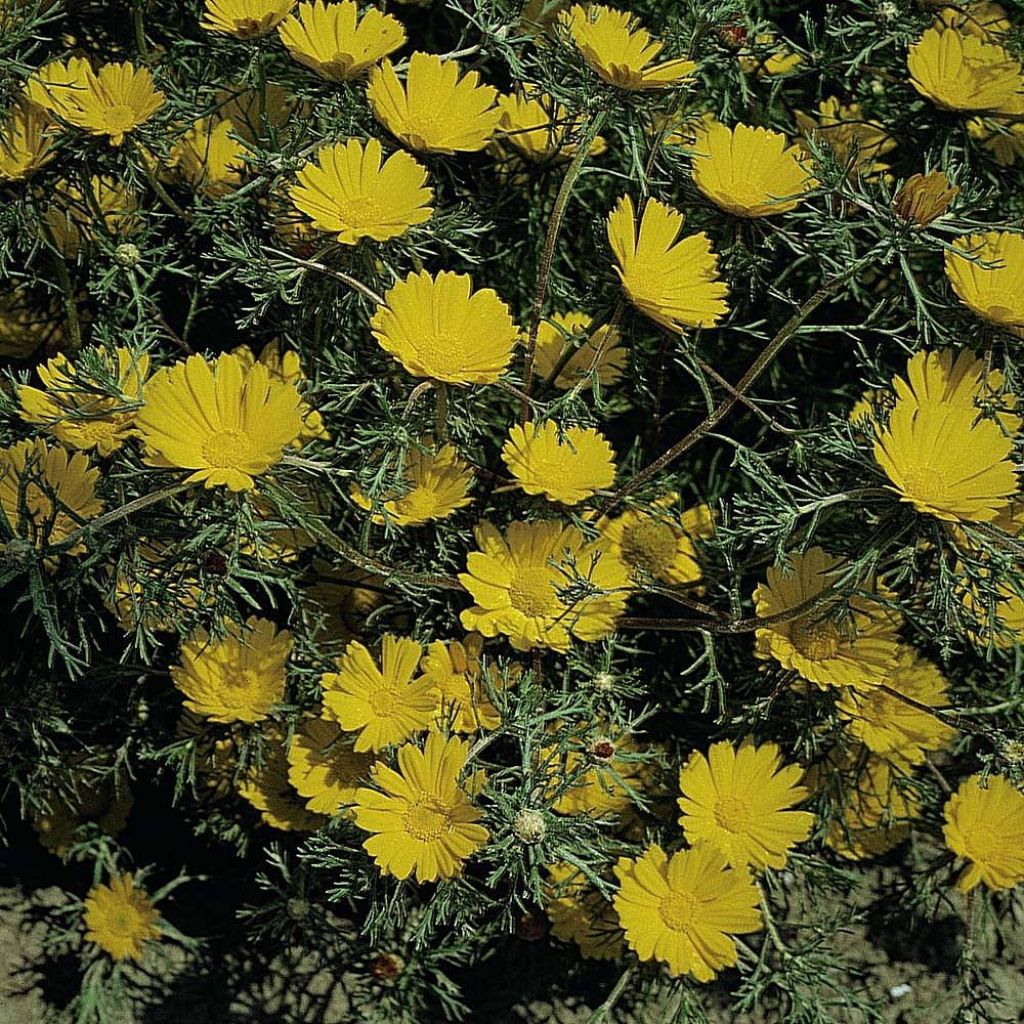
941,457
541,583
684,910
438,327
73,219
245,19
985,826
437,486
455,672
90,405
208,158
26,144
226,422
351,193
748,171
982,18
856,141
537,128
266,788
894,728
238,677
673,282
567,465
986,271
614,44
740,800
335,42
387,704
47,494
580,914
658,544
599,353
768,58
120,918
856,649
420,817
58,85
323,767
1003,137
436,110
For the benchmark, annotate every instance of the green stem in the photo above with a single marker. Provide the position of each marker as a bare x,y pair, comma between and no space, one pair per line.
140,31
602,1012
70,305
120,513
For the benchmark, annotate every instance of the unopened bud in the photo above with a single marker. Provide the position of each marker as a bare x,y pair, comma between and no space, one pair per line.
924,198
530,826
127,254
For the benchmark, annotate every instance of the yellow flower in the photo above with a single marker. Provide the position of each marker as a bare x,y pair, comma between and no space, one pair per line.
47,494
120,918
924,198
1003,137
255,111
385,705
740,800
857,648
238,677
769,58
335,42
73,219
940,455
435,111
856,141
91,403
567,465
208,158
537,128
245,19
749,172
986,271
958,71
614,44
226,422
894,728
456,675
580,914
684,910
437,486
673,282
600,353
349,192
25,141
420,817
113,101
985,826
24,327
438,327
541,583
323,767
266,788
983,18
658,544
998,618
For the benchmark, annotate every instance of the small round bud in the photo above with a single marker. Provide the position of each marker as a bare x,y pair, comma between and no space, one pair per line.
386,967
602,749
19,553
604,681
530,826
127,254
298,908
888,11
1013,753
877,88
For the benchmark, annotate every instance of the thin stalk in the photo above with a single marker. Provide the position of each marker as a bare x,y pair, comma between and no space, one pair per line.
139,27
357,286
441,412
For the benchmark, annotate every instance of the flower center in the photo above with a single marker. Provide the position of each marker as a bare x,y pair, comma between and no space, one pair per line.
123,921
382,702
118,119
816,639
427,819
926,483
443,354
362,211
732,814
228,449
650,546
678,910
532,592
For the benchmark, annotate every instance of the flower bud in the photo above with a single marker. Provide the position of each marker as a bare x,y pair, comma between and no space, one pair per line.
127,254
924,198
530,826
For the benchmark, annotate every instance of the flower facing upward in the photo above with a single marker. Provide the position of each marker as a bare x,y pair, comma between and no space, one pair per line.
352,192
985,826
436,110
438,327
986,272
46,493
25,141
564,465
741,800
673,282
238,677
420,816
601,352
323,767
941,456
120,918
226,422
437,486
540,583
89,404
959,71
622,52
245,19
335,42
208,158
749,172
858,649
386,704
682,910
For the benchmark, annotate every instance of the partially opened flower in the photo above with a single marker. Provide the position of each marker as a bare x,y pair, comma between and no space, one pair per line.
225,422
621,51
435,110
120,918
324,768
538,129
245,19
675,283
26,142
338,44
439,327
748,171
559,346
209,158
567,465
985,826
768,57
986,271
108,208
352,192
